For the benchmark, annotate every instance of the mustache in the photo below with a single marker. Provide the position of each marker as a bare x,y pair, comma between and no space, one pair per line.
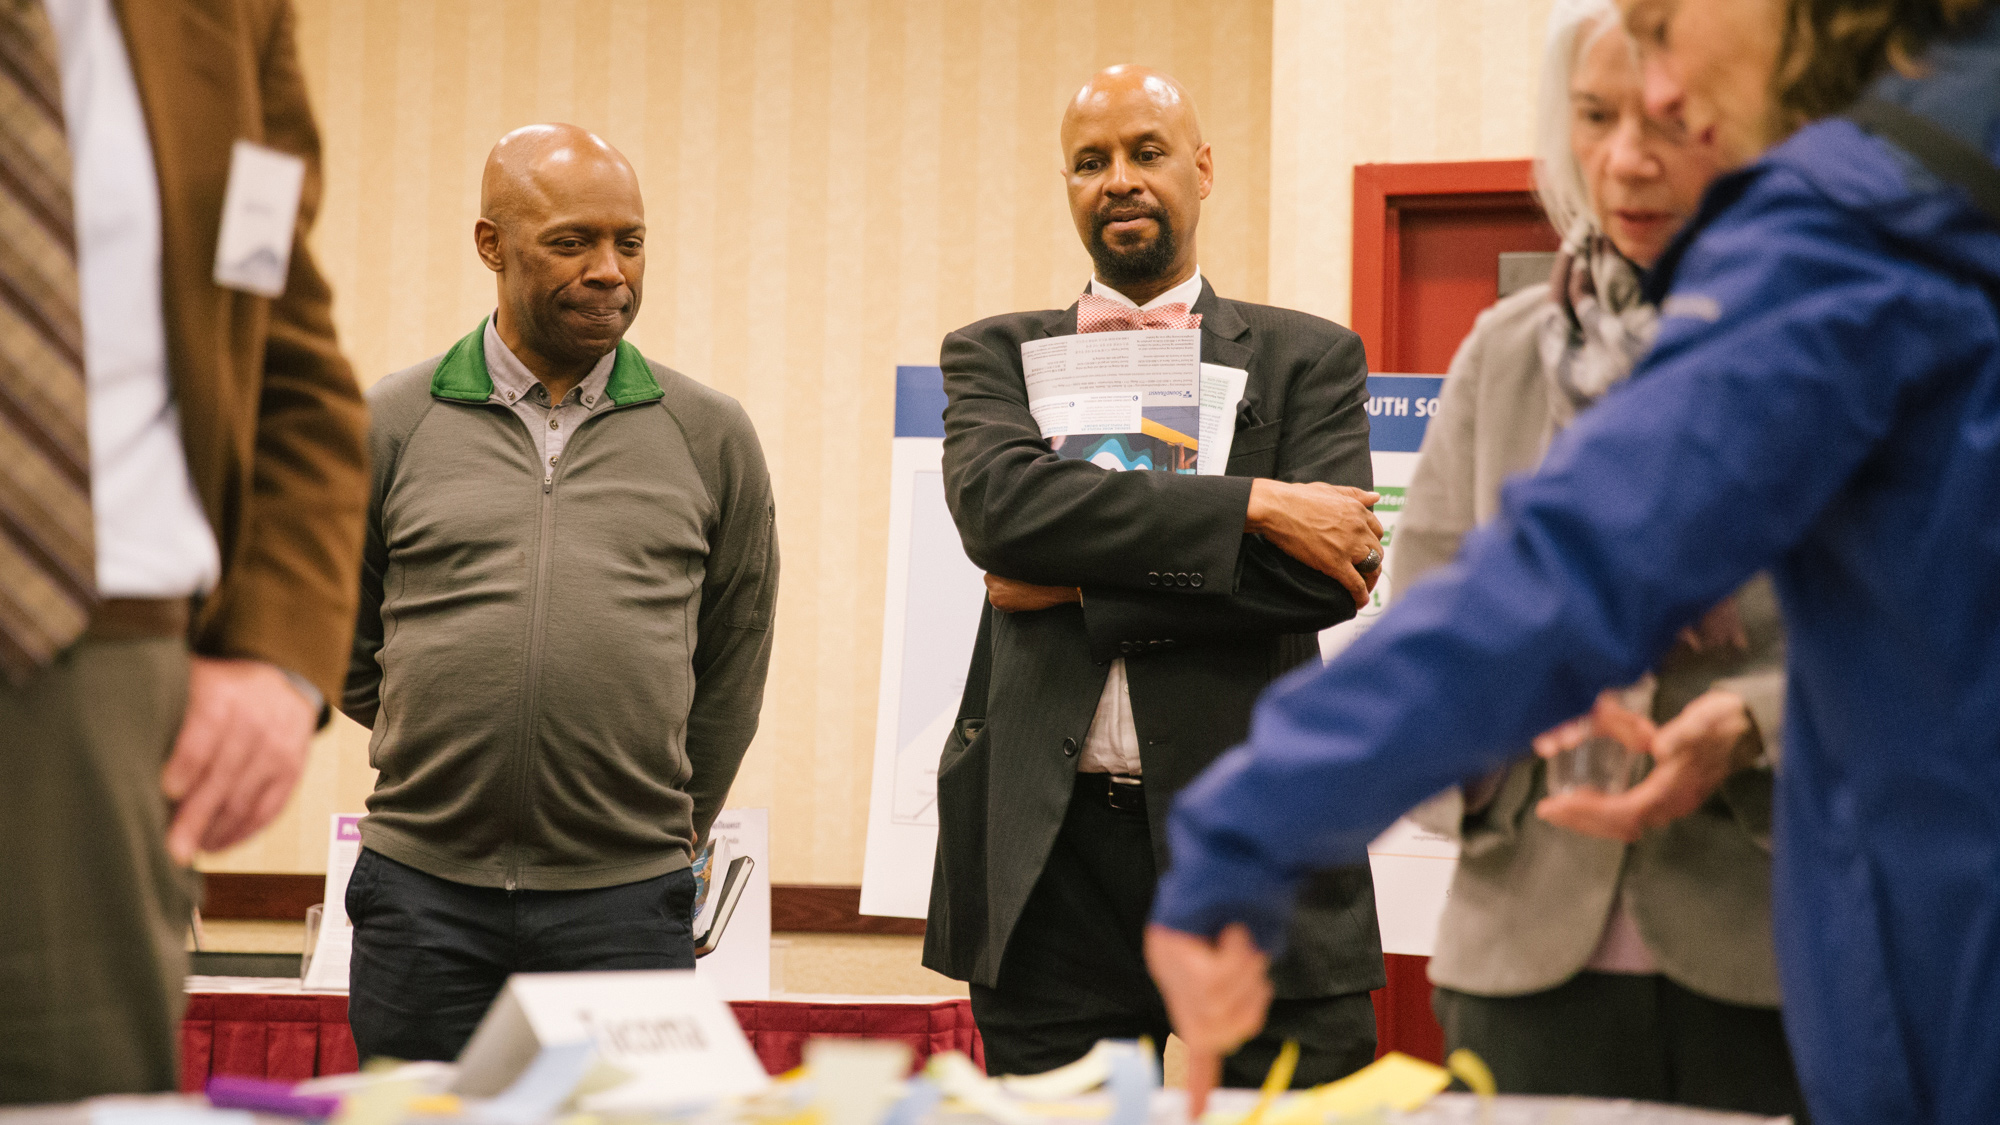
1118,213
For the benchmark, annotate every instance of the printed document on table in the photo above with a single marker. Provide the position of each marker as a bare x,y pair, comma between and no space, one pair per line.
1221,389
1120,400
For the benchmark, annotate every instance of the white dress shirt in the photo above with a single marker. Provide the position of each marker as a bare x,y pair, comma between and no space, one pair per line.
153,539
1112,746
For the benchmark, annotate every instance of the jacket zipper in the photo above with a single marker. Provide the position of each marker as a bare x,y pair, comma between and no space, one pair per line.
537,617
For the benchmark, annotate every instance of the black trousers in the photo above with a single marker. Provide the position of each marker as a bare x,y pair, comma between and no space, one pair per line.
430,955
1610,1035
1075,971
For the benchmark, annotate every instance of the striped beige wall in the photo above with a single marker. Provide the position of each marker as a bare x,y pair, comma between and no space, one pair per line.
1368,81
831,186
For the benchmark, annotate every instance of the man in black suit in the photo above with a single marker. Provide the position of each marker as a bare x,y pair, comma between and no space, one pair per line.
1132,620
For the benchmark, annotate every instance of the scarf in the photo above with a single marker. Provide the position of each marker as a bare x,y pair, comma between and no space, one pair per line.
1597,325
1596,329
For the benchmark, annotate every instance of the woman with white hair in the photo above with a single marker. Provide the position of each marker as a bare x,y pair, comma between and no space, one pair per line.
1582,957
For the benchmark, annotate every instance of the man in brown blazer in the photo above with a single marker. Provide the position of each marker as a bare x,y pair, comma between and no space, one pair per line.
182,484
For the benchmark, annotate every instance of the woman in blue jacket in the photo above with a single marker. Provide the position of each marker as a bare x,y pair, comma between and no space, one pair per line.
1823,401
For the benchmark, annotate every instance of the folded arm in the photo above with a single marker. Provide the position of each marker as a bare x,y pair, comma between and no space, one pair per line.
1325,443
1025,513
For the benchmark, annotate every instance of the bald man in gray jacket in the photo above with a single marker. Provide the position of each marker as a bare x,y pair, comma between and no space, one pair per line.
565,622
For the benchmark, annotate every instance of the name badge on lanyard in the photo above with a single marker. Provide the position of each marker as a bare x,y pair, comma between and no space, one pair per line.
260,210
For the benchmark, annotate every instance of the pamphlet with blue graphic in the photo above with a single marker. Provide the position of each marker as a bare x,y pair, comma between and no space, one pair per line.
1120,400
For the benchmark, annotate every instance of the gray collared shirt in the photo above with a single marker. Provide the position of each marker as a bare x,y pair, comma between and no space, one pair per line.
515,387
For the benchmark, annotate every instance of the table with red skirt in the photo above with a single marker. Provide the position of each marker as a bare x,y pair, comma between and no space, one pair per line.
292,1036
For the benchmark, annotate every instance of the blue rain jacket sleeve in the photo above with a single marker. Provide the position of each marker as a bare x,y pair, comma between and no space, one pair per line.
1794,337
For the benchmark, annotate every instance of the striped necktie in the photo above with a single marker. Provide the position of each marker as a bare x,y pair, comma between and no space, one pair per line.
47,558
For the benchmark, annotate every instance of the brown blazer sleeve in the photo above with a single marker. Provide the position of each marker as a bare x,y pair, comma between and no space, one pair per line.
289,579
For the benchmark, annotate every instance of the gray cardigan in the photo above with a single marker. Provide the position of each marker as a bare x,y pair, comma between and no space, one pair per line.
562,670
1530,900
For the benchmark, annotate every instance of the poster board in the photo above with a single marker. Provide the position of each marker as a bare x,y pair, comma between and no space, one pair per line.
1412,865
930,615
334,944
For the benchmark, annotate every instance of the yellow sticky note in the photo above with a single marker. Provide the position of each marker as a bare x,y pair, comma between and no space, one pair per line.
1394,1081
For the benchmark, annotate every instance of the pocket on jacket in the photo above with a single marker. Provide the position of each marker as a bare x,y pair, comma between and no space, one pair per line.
1254,451
964,733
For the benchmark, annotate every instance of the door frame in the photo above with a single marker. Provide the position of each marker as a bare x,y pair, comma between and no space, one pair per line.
1382,193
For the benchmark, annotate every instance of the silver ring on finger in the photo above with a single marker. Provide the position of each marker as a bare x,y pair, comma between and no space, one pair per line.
1369,563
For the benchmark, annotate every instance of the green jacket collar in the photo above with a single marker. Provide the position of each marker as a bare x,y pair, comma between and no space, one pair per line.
462,377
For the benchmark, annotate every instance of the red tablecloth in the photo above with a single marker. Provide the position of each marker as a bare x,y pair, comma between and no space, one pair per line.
292,1038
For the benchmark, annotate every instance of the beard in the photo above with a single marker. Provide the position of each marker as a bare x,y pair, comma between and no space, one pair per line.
1136,264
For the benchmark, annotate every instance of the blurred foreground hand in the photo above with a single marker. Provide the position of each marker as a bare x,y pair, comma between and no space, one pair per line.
241,749
1217,993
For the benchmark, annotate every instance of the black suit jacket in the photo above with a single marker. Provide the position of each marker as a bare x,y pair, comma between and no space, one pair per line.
1205,615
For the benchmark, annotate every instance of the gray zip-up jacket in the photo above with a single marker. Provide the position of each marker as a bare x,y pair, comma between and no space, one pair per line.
562,674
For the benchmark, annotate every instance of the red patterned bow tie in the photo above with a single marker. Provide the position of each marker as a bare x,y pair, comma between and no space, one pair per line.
1102,314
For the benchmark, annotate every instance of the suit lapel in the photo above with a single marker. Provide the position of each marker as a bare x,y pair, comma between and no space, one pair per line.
1061,323
185,64
1224,333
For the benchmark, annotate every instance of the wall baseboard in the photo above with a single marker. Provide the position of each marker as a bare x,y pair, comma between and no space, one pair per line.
796,908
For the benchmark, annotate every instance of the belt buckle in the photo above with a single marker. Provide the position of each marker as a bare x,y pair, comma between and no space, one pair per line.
1124,796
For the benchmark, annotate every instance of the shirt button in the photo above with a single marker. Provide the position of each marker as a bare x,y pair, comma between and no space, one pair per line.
510,396
552,461
1069,747
554,425
590,400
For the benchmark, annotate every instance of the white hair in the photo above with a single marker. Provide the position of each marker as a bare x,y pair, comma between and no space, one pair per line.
1573,26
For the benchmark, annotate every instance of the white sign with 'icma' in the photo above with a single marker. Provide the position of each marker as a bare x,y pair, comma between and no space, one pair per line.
681,1045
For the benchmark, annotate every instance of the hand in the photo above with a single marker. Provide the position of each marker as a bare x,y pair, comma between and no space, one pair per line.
1607,717
1326,526
1692,755
240,752
1010,595
1217,993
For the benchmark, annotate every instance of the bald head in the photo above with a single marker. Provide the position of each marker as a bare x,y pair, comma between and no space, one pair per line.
1137,171
535,166
1124,91
562,226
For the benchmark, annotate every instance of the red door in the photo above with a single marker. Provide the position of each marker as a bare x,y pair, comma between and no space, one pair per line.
1427,246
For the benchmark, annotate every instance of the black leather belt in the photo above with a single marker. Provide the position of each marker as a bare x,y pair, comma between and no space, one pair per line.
1119,791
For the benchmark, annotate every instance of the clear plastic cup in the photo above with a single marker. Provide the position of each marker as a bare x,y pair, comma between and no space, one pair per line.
314,914
1598,762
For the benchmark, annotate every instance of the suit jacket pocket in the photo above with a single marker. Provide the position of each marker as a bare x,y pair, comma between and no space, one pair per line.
958,745
1254,451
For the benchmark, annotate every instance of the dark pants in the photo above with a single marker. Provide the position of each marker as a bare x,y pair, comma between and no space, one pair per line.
1075,971
430,955
1609,1035
93,912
